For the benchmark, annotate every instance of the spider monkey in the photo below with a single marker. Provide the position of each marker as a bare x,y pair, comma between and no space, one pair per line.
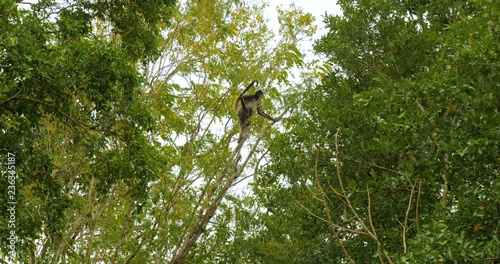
248,104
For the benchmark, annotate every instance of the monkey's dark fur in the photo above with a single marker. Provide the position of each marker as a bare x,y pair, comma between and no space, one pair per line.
248,104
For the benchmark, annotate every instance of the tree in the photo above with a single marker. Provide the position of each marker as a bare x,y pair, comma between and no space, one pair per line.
217,48
394,156
73,116
119,114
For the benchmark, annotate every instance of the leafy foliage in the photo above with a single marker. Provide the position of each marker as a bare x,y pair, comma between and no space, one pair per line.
397,149
72,113
120,116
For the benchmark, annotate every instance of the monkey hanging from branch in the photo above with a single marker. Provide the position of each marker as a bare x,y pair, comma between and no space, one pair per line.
248,105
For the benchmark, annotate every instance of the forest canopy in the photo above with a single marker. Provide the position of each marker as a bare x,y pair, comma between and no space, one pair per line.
119,142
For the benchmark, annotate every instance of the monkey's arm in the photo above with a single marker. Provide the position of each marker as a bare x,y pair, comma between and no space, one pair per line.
261,112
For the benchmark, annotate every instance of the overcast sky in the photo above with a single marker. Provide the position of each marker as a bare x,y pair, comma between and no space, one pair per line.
317,8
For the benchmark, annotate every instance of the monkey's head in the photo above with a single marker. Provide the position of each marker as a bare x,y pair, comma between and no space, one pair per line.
258,94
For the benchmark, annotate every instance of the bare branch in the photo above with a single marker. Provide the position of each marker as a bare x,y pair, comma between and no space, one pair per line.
328,214
205,216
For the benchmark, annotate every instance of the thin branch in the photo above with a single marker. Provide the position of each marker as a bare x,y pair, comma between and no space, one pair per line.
370,231
310,212
76,121
205,216
405,226
370,219
418,204
371,164
257,164
11,98
328,214
344,193
326,221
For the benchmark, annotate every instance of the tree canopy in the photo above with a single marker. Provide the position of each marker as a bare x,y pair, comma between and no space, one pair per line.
119,142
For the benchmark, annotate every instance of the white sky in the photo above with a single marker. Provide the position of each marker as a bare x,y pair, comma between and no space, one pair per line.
318,8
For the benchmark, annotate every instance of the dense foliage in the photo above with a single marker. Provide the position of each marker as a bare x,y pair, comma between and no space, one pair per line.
395,155
116,136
